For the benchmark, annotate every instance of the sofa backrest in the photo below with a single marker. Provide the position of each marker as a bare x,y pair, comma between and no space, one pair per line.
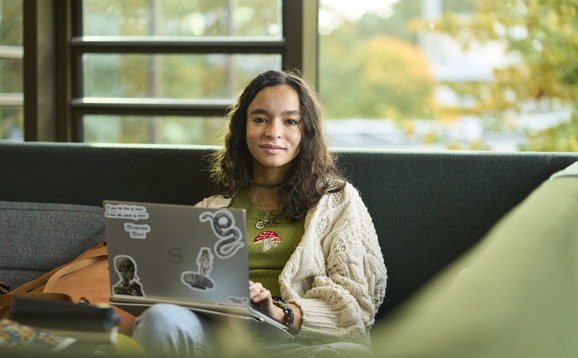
428,207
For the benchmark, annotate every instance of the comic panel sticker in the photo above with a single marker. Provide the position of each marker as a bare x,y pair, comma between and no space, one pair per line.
129,283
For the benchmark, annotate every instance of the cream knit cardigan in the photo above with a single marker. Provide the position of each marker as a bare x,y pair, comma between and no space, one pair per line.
336,274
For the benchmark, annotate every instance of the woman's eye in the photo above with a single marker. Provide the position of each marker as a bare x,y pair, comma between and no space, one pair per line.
291,121
259,120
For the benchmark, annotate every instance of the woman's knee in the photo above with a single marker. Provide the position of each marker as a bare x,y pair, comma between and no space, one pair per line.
166,329
164,316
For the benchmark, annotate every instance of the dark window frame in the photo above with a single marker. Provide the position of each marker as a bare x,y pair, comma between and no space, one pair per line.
54,103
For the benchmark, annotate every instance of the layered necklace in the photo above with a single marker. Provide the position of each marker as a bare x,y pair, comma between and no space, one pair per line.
261,224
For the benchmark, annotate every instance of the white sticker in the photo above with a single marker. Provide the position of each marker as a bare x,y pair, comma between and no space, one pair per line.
238,301
229,236
137,231
129,283
126,211
200,280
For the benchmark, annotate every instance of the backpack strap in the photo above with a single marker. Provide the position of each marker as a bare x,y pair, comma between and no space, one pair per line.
72,267
3,288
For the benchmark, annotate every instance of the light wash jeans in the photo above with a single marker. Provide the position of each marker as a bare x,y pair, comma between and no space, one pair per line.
166,330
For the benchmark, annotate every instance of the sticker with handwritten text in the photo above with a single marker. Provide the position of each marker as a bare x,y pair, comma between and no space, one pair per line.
126,211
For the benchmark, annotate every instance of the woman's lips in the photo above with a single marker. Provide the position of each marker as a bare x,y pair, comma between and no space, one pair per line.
272,149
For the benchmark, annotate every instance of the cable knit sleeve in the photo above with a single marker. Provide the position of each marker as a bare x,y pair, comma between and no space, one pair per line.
215,201
337,275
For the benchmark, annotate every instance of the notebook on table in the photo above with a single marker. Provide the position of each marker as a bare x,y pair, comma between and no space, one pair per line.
189,256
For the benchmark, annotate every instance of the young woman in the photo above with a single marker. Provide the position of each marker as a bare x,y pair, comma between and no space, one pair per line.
319,268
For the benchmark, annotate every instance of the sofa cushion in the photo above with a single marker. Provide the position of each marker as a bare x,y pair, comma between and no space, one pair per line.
35,237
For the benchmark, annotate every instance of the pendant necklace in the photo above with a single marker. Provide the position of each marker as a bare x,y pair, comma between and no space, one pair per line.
261,224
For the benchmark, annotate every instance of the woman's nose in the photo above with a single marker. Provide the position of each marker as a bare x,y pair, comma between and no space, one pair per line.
275,130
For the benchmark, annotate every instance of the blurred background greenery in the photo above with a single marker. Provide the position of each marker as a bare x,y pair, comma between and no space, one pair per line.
514,71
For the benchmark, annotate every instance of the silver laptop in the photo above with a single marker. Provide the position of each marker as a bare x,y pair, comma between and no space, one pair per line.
193,257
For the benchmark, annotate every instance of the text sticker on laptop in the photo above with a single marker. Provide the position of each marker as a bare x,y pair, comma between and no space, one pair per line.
130,212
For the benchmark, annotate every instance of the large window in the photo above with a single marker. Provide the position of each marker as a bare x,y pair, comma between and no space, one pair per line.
450,74
152,71
394,74
11,55
163,55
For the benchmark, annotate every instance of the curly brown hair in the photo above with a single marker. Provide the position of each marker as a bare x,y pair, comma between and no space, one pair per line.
313,172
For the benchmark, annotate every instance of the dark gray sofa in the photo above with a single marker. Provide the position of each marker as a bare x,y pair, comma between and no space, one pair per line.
428,207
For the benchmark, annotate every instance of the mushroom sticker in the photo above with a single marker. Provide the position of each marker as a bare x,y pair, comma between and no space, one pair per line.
269,239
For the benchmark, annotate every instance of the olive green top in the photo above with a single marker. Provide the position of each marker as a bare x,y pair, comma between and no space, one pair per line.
270,247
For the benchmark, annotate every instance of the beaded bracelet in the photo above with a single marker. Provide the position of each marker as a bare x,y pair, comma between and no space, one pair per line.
289,316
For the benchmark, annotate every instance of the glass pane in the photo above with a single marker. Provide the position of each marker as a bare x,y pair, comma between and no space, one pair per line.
215,76
11,124
152,129
450,74
11,76
260,18
10,22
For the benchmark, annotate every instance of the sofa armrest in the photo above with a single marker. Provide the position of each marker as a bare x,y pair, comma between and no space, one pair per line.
512,295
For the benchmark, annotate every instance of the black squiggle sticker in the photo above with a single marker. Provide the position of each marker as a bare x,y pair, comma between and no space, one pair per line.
223,225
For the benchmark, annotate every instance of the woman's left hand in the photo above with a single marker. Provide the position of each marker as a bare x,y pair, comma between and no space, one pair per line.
261,297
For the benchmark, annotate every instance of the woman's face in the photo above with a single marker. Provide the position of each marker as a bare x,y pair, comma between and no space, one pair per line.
129,272
274,127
